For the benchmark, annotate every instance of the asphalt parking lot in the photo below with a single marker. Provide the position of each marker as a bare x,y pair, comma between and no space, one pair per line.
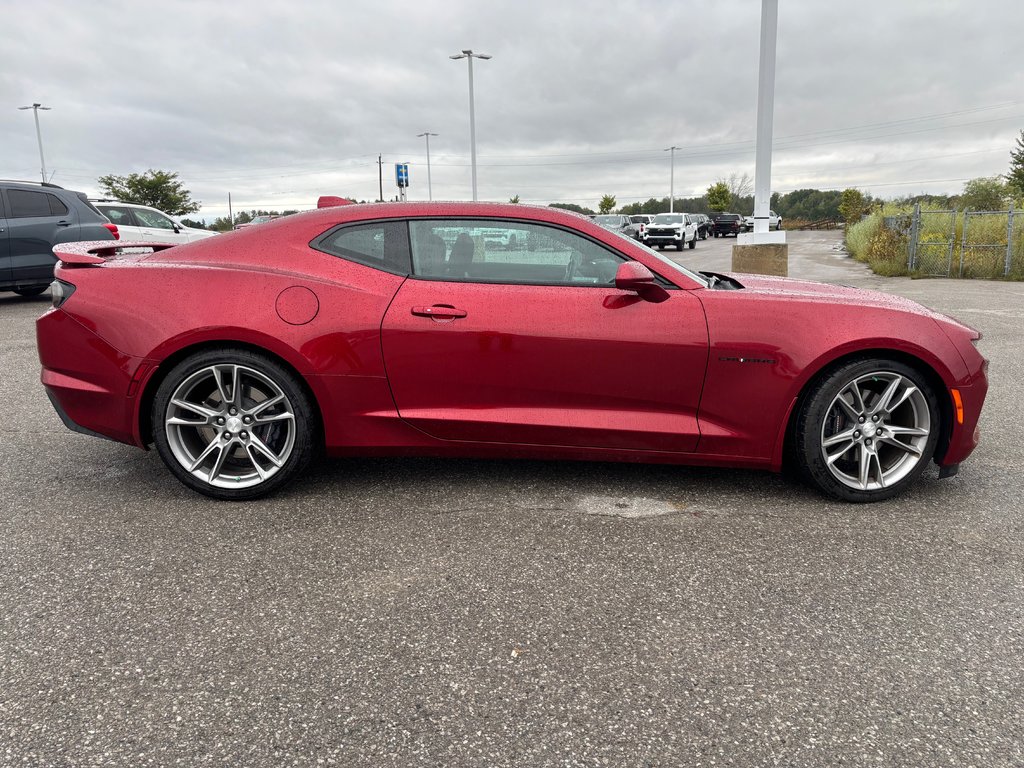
425,612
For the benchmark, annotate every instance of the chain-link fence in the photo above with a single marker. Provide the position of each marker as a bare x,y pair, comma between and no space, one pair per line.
984,244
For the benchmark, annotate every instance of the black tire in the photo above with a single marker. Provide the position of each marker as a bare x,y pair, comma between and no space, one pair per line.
661,247
302,439
30,292
679,245
693,243
855,441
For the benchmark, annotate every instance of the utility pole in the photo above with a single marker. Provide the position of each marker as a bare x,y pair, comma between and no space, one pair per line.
231,216
39,136
430,189
672,180
380,177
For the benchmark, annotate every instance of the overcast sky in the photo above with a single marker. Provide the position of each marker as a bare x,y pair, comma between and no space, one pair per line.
278,103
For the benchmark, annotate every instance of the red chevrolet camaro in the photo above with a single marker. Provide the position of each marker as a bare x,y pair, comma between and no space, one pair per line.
466,329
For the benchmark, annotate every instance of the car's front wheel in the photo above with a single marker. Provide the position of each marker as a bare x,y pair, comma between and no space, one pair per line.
233,424
867,430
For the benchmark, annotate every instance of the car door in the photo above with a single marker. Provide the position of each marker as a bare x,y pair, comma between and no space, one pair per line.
153,225
36,220
536,345
123,218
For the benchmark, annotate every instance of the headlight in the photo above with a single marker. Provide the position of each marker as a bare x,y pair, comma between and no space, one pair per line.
60,291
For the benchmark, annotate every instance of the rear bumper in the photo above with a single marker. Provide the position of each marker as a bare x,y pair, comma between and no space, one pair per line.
92,386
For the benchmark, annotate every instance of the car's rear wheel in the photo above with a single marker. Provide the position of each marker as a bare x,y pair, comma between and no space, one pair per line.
867,430
693,243
233,424
29,292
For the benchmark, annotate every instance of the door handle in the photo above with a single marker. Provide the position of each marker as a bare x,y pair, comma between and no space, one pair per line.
439,311
63,223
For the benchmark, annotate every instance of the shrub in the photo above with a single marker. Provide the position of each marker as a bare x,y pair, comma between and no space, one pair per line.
859,235
887,252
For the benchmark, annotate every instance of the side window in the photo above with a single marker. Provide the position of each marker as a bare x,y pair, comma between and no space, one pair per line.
479,251
57,207
152,219
379,244
25,204
122,217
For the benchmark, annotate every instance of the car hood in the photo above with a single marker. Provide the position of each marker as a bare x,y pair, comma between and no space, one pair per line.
785,287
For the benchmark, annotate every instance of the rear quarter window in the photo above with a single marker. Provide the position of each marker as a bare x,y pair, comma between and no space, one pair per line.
27,204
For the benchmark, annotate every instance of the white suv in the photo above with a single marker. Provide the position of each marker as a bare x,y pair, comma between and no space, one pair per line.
140,222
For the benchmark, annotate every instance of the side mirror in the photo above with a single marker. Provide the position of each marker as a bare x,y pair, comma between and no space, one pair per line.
634,276
177,229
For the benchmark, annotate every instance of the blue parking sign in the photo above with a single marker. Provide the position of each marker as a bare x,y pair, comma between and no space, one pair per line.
402,174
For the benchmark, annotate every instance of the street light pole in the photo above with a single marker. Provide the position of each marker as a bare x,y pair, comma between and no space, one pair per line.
468,54
430,189
672,180
39,136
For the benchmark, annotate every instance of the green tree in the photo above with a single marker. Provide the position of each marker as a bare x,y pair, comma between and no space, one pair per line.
607,204
193,223
158,189
514,199
984,194
1015,178
719,196
852,205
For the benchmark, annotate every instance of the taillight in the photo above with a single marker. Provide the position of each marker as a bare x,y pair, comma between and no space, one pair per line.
113,230
60,291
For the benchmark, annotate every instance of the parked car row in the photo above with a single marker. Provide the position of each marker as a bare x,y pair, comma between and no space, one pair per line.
36,216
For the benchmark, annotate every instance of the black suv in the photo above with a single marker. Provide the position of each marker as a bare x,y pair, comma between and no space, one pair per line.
34,217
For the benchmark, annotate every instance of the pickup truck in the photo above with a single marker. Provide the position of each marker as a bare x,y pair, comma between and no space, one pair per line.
676,229
620,223
729,224
774,221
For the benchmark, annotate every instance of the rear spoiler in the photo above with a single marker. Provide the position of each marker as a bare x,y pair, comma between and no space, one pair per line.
329,201
90,252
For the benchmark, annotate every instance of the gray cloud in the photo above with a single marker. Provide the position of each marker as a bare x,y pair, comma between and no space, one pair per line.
279,104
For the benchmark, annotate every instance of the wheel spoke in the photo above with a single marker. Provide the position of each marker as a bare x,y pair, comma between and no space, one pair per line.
218,464
864,464
286,416
907,447
882,406
839,437
260,446
896,429
222,388
851,411
236,386
177,421
256,465
877,461
204,455
834,457
185,405
858,399
270,402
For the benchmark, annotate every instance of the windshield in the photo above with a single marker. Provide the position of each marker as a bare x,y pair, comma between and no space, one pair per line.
616,220
669,218
671,266
639,219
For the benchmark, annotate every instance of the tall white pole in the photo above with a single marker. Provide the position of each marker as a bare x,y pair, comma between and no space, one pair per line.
672,180
765,113
468,54
39,137
472,125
